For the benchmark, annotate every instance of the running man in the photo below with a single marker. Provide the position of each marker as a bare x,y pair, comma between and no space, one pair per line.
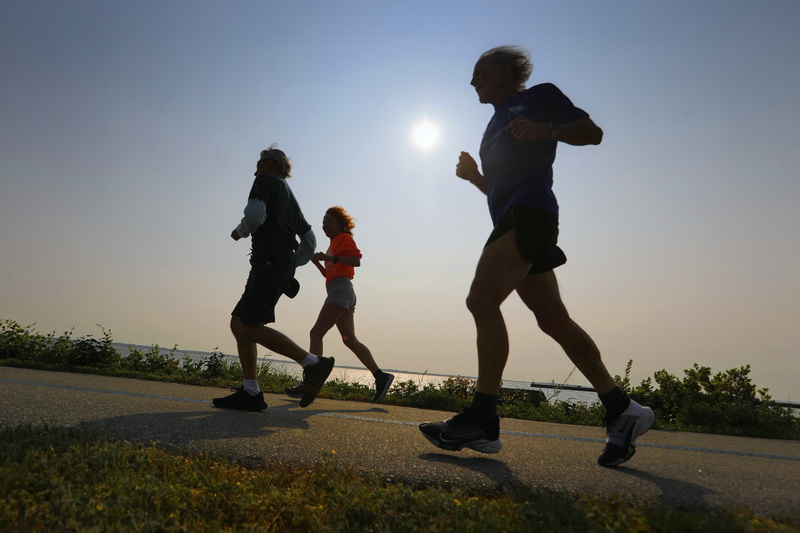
339,308
517,154
273,218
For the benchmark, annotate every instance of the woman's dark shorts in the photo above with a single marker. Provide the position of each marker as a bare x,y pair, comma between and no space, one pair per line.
271,270
537,235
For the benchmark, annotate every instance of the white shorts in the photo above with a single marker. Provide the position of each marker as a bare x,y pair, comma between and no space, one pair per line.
341,292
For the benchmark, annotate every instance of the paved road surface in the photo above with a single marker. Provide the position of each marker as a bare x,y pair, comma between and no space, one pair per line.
681,468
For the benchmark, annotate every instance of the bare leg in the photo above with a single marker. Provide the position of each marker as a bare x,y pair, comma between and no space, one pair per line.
347,328
249,336
500,270
329,315
540,293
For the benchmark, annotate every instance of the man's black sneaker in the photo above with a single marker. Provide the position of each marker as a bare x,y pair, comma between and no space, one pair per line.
295,392
241,399
382,384
314,377
622,432
464,431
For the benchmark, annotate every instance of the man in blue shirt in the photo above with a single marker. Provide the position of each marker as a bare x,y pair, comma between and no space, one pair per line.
517,154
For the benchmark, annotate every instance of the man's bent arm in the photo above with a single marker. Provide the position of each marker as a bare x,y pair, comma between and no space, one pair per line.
255,213
467,169
308,243
580,132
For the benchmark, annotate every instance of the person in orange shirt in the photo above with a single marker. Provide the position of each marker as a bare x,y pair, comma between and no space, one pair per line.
338,269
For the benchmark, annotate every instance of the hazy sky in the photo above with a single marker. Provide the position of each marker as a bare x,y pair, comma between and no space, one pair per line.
129,134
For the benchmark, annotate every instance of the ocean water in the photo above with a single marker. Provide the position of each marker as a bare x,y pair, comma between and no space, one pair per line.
362,375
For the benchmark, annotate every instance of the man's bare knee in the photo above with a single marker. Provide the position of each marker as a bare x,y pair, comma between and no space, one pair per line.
242,331
556,326
481,302
235,325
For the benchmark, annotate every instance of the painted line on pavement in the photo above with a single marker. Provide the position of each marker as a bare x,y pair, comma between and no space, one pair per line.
104,391
408,423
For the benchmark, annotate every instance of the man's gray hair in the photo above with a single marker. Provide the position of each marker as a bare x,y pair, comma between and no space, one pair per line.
281,160
515,57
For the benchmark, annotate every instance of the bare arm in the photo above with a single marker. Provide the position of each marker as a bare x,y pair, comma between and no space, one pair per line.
467,169
580,132
318,265
354,261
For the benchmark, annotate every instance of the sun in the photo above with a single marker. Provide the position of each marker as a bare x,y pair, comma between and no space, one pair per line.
425,134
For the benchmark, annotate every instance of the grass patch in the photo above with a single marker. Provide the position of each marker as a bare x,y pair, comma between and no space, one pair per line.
57,479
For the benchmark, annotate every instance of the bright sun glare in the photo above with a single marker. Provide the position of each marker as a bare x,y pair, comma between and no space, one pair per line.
425,134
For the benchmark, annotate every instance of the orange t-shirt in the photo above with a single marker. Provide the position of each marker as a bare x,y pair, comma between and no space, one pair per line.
342,245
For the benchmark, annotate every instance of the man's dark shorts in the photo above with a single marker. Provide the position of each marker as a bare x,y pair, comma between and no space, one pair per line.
271,270
537,235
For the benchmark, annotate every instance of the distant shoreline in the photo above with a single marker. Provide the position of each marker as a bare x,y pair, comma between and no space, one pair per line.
578,392
571,392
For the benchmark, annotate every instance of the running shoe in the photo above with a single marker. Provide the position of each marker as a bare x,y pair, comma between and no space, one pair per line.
295,392
243,400
464,431
622,432
382,384
314,377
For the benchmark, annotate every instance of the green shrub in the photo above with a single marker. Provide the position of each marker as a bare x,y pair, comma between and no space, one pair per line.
725,403
22,343
339,389
215,364
152,361
93,353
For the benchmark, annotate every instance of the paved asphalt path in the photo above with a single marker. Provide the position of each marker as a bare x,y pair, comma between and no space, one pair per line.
682,469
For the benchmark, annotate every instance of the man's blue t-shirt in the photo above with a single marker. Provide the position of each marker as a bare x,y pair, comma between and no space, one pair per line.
521,172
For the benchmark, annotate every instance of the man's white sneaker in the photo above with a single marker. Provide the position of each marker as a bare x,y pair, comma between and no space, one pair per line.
622,432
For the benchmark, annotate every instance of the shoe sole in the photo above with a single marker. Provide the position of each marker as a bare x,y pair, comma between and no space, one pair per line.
642,426
288,392
479,445
312,392
253,408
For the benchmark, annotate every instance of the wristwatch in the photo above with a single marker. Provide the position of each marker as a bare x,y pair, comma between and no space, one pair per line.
554,131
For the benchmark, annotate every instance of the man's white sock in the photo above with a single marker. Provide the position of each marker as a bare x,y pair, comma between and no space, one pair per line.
251,386
310,359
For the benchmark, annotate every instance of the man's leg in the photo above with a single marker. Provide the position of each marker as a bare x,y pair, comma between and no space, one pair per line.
248,356
500,270
248,336
249,397
540,293
626,419
315,369
327,318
